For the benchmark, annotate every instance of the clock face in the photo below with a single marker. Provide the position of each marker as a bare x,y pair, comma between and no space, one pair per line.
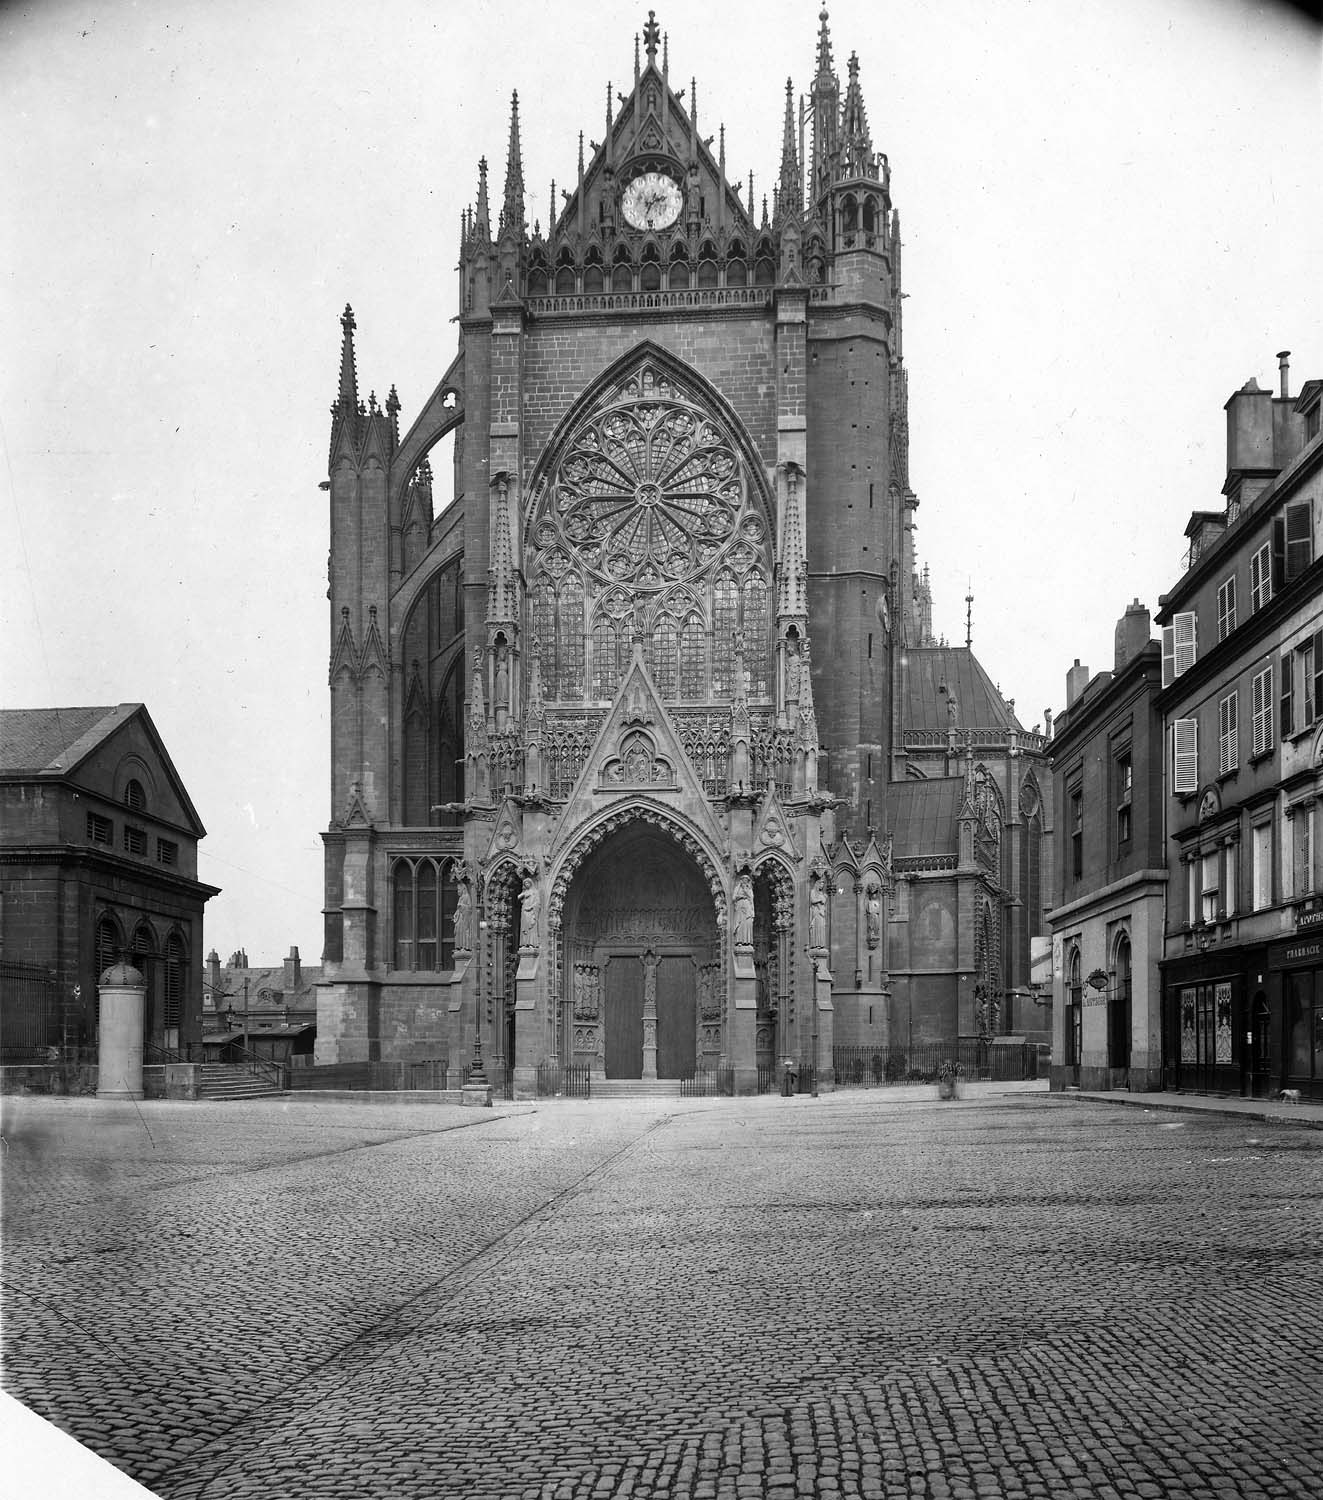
651,201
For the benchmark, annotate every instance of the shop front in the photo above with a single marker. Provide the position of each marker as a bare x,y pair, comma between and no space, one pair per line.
1216,1024
1295,1000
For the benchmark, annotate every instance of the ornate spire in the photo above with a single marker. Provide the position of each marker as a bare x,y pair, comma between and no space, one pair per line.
512,214
347,401
482,223
856,144
825,69
790,188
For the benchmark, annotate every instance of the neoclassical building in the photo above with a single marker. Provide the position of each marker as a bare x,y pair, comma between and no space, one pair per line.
613,706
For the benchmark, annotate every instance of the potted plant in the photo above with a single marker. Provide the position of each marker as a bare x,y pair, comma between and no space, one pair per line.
949,1076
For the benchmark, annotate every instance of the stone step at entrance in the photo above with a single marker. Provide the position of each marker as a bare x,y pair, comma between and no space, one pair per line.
636,1088
234,1081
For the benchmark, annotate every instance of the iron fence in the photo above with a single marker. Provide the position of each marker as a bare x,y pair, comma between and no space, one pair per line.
572,1080
704,1083
29,1010
766,1078
876,1067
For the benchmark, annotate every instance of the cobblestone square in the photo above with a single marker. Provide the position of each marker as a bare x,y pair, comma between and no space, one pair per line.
866,1294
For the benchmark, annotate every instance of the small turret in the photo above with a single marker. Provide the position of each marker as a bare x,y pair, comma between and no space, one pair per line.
790,188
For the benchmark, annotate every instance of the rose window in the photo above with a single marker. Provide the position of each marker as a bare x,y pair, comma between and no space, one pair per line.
649,491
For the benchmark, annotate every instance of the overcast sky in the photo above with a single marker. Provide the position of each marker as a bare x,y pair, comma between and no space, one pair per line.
1111,215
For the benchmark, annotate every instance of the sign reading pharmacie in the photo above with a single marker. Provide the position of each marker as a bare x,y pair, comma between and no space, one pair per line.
1298,953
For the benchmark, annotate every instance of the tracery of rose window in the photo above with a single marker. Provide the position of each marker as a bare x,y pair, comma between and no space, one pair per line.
646,514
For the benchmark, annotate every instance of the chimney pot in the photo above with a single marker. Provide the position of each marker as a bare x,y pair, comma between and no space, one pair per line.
1284,369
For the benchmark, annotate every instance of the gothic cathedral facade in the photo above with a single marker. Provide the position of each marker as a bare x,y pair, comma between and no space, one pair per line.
612,719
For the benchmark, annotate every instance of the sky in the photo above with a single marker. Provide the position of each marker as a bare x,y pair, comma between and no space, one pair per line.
1111,218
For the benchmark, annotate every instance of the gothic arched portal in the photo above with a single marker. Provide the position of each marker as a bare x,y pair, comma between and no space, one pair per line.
643,985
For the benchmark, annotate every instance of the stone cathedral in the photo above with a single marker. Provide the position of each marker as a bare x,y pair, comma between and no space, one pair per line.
624,706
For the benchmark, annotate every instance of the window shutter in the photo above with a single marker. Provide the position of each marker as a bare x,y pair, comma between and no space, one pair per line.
1184,626
1227,715
1288,707
1262,712
1299,537
1185,755
1318,674
1278,553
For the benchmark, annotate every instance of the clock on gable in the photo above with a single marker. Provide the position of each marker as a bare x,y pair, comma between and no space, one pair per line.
651,200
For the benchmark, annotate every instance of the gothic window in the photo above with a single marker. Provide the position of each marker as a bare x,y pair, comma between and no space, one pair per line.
764,271
565,272
678,279
849,215
606,665
450,740
646,511
737,272
663,655
594,277
870,215
691,658
538,276
544,631
757,634
569,638
622,273
423,898
725,622
650,271
707,264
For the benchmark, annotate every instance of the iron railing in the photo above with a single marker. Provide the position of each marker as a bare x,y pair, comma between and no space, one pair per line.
922,1062
29,1003
572,1080
705,1083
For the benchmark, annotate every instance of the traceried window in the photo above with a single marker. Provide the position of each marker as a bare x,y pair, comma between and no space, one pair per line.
423,897
648,520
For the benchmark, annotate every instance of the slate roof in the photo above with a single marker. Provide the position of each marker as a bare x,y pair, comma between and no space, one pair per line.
925,669
55,739
54,742
922,815
229,995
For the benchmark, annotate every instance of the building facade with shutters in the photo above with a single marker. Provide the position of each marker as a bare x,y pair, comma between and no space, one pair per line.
613,698
1242,649
98,859
1108,927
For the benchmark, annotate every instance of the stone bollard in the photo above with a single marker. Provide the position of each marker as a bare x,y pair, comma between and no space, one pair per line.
123,994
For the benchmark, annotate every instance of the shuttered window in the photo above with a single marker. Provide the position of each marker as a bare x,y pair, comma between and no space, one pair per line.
1178,646
1260,578
1292,543
1261,704
1185,756
1226,608
1227,715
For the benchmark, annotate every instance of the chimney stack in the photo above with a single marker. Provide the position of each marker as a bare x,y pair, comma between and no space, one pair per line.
1132,632
1284,369
292,972
1077,679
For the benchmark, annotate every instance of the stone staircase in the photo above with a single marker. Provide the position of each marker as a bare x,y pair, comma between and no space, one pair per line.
636,1088
234,1081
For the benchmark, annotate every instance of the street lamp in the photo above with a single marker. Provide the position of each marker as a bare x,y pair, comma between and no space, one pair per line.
476,1073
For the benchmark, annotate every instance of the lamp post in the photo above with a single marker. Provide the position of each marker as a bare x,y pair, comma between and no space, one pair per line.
476,1072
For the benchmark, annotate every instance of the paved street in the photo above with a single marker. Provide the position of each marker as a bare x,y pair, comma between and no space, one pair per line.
1015,1295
